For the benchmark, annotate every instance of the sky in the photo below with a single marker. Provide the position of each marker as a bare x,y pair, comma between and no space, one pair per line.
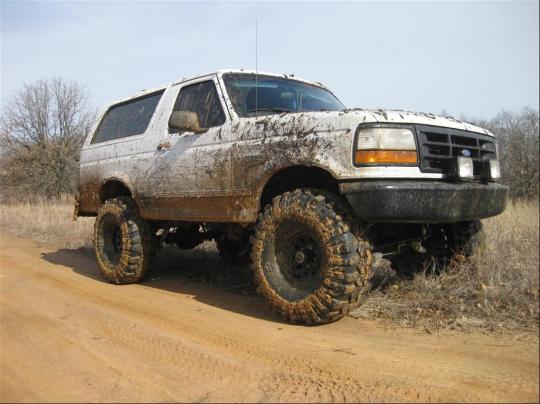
469,59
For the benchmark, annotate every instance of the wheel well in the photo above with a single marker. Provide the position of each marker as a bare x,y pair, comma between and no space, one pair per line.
297,177
113,188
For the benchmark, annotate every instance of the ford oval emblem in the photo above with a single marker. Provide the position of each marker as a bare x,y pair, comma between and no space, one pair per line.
466,153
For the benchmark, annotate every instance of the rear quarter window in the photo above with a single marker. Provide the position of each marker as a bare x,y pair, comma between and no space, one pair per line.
127,119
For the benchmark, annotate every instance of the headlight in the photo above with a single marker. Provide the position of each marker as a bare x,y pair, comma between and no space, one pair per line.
376,145
494,169
465,167
385,138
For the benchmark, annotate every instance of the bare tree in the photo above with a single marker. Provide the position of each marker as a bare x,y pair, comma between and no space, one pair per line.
517,137
41,132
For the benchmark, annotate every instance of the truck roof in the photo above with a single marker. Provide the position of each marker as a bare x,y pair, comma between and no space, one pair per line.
217,73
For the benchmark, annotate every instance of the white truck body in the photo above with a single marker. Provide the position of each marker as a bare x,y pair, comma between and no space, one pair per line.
219,175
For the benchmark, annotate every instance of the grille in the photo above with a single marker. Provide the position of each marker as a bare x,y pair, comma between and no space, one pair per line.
439,148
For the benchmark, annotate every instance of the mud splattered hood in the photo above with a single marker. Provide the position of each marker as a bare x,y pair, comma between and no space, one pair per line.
398,116
348,120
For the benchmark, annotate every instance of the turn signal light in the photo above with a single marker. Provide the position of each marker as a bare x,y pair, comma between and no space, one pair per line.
385,157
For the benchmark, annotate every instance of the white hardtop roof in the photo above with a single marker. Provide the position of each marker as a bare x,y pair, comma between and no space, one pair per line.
247,71
213,73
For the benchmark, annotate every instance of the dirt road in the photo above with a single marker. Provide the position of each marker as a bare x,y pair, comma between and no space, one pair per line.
68,336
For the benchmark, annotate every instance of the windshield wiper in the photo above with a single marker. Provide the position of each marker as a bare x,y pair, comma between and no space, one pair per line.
277,110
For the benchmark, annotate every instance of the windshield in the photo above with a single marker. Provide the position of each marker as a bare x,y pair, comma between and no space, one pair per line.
263,95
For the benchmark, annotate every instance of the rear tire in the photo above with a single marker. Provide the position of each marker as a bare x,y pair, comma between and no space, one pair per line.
308,262
123,241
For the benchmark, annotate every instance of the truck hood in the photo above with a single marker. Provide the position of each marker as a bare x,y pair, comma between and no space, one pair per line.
349,119
398,116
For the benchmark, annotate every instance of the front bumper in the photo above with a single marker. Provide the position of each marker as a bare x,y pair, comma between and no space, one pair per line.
424,201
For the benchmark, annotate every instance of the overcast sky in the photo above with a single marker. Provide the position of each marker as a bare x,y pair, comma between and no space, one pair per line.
471,59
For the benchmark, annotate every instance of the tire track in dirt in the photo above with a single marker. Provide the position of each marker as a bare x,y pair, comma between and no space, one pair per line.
66,335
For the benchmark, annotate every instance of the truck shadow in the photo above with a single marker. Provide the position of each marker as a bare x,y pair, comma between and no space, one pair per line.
201,273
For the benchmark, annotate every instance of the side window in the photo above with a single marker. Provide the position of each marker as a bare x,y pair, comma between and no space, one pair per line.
201,98
127,119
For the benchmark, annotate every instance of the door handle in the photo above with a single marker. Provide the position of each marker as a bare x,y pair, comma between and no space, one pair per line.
164,146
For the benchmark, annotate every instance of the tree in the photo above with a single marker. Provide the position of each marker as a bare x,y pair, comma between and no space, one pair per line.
517,138
42,129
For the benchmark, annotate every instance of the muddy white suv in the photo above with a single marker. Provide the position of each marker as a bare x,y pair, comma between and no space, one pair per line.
276,169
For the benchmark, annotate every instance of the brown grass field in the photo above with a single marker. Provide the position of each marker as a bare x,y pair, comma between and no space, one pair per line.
496,291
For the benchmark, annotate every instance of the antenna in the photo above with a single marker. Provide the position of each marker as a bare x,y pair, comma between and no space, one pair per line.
256,68
91,64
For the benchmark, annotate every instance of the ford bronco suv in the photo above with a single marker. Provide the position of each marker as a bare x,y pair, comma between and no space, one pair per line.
276,170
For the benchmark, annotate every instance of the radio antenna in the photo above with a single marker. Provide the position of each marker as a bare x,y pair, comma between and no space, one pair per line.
256,68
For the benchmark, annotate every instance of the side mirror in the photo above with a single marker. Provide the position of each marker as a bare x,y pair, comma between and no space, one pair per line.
185,121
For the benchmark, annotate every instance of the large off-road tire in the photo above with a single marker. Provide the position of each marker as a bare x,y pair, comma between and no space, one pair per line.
189,238
448,242
468,238
123,241
308,260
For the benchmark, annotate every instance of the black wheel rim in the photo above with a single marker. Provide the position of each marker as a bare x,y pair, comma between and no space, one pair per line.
112,239
299,256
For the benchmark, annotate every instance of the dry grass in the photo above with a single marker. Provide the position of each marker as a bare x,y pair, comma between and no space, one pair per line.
494,291
47,221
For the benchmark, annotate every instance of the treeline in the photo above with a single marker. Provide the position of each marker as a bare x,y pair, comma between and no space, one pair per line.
43,126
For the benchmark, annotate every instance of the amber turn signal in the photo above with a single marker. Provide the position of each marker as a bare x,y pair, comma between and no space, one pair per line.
385,157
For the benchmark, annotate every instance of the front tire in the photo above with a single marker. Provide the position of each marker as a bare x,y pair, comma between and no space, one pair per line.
454,241
308,262
189,238
122,241
468,238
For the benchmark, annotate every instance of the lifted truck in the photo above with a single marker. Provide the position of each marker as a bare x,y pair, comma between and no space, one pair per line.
276,170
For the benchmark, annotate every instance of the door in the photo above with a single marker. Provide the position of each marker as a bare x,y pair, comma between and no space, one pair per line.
194,169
